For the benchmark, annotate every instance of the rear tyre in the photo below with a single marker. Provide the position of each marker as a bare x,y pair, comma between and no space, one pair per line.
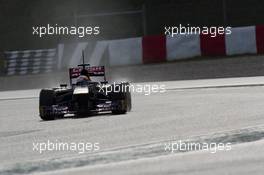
46,100
123,99
129,103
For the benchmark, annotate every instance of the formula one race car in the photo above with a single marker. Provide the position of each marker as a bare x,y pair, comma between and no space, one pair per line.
85,99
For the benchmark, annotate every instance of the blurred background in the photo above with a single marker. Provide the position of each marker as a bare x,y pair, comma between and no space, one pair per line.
125,41
117,19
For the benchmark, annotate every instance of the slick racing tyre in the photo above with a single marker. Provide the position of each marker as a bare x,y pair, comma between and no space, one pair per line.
46,100
124,100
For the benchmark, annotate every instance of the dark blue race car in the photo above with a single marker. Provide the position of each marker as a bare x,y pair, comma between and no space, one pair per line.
84,98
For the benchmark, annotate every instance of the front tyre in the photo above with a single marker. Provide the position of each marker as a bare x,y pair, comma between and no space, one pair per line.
47,99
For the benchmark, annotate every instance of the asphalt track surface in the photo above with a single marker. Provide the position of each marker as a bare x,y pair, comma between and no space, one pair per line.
196,68
219,111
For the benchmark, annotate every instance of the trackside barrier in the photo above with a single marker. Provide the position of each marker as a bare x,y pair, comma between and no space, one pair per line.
134,51
30,61
155,49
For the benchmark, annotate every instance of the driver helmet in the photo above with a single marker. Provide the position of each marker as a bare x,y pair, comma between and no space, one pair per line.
84,72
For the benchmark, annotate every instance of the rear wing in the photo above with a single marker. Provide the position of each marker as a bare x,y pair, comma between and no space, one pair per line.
94,71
